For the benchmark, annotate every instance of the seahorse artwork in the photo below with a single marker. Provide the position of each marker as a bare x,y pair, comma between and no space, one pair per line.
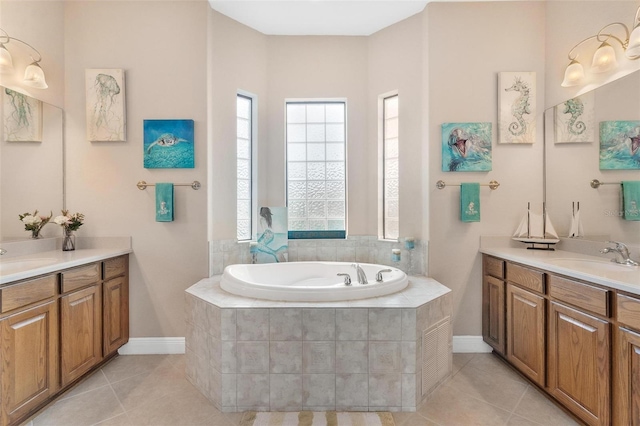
575,120
22,117
517,107
105,104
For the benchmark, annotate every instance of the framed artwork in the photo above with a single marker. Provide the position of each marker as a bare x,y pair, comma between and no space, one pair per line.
106,119
272,237
168,144
620,145
516,107
22,117
466,147
575,120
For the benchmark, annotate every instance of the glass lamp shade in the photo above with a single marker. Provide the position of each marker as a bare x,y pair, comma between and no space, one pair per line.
604,59
34,76
6,63
633,50
573,75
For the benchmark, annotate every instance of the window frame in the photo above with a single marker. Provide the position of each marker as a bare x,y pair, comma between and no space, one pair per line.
382,167
253,131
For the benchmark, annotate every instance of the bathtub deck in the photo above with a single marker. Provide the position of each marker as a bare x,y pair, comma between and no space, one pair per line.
382,353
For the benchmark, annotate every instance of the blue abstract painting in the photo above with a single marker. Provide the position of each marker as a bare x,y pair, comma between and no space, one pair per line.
168,144
620,145
466,147
272,238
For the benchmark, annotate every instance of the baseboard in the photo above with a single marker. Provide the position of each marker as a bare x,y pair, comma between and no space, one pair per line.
470,344
153,345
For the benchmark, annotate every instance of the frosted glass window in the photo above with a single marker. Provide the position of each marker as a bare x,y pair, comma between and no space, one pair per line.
244,175
391,168
316,167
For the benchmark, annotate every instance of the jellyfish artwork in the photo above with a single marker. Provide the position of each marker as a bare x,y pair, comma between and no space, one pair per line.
20,121
107,122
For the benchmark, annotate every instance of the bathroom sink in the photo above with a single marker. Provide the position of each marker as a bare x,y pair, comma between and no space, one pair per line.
17,265
593,265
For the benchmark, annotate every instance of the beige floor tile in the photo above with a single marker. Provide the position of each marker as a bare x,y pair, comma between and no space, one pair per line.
447,406
494,388
515,420
181,408
82,410
121,420
94,381
123,367
459,361
493,364
536,407
411,419
234,418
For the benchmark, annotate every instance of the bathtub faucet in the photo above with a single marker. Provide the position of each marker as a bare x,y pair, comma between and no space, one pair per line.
347,278
362,277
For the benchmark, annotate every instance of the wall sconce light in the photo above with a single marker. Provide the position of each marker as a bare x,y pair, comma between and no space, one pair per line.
33,74
604,58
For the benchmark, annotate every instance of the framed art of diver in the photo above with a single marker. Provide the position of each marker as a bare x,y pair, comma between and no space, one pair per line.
516,107
105,97
168,144
466,147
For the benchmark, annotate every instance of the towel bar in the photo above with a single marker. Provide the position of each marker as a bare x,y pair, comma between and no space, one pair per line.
493,184
142,185
595,183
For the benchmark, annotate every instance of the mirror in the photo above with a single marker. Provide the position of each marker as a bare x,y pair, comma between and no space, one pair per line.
31,162
570,166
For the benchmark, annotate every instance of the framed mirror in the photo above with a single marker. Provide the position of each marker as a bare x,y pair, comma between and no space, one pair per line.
31,162
575,133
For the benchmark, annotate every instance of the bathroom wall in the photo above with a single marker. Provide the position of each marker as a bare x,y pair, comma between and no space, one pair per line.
468,46
162,46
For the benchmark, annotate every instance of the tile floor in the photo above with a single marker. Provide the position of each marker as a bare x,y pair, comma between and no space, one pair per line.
152,390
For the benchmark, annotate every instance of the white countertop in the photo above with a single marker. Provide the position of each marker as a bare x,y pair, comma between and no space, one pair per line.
627,279
14,268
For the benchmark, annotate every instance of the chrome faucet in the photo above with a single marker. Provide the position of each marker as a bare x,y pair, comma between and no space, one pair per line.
2,251
362,277
347,279
622,250
379,274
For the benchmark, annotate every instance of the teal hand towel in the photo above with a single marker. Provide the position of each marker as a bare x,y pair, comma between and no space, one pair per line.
470,202
164,202
631,199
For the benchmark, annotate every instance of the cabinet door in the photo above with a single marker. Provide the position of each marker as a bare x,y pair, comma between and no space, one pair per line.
116,314
627,378
81,332
579,375
29,354
525,332
493,313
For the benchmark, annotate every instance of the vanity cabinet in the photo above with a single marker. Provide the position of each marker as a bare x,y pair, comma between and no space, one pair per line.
627,366
56,328
493,303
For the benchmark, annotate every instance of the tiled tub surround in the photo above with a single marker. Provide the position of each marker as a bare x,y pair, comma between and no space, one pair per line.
252,354
365,249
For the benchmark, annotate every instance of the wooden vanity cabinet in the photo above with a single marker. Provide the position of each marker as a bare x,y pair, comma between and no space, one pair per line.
627,362
115,297
493,303
28,346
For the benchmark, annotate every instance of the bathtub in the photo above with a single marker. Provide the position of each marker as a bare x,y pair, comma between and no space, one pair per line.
309,281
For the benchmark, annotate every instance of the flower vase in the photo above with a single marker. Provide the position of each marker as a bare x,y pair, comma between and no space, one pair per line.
35,234
69,242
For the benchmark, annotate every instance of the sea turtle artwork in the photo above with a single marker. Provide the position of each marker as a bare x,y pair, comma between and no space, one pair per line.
166,139
620,145
168,144
466,147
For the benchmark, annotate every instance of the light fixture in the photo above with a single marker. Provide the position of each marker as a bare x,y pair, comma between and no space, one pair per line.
33,74
604,58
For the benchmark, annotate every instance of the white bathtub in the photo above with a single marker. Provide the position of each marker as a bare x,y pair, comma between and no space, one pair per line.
309,281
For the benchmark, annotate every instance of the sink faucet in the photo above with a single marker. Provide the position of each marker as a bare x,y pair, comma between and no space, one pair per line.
2,251
362,278
622,250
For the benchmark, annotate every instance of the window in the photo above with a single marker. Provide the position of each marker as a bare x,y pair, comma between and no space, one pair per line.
390,164
316,169
244,174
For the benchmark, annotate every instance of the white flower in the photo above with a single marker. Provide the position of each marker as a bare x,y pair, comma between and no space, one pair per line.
31,220
62,220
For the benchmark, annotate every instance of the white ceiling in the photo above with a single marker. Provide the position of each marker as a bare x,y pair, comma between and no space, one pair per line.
318,17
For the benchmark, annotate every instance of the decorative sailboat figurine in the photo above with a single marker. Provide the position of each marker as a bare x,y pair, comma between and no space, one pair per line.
576,231
536,229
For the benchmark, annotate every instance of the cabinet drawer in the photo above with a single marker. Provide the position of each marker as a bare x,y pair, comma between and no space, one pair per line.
83,276
114,267
27,292
525,277
493,267
629,311
581,295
